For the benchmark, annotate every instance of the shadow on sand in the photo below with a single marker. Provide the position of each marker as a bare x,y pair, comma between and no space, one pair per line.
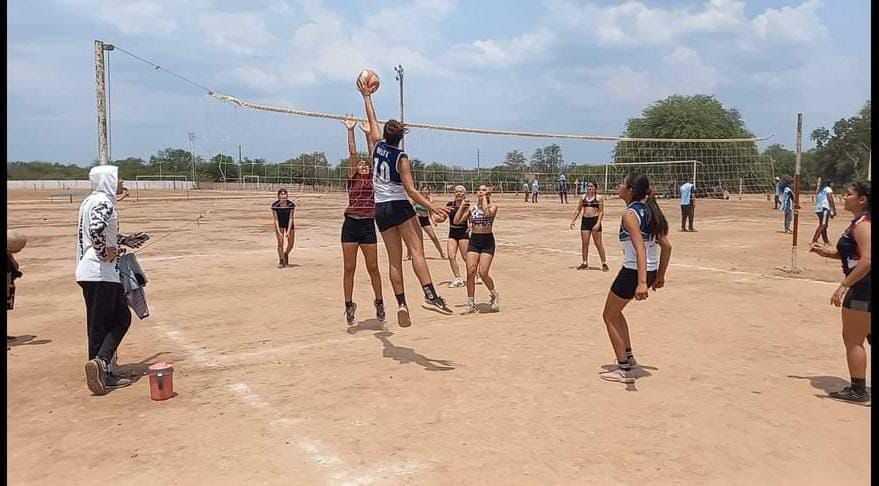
408,355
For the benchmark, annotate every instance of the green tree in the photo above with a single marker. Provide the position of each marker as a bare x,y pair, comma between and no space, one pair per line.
842,154
515,161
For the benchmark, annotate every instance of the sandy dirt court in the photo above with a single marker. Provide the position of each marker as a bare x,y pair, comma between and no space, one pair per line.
737,358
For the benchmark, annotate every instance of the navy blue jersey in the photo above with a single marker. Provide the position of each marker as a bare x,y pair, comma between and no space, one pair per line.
386,174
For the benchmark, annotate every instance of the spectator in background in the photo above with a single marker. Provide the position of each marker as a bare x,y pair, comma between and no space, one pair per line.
526,189
577,186
779,188
563,189
688,206
535,190
787,204
825,209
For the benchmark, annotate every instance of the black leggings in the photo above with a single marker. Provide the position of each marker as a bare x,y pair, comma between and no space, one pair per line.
107,317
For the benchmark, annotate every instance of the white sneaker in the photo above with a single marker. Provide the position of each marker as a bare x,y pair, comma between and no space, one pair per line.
617,375
403,319
471,309
495,301
457,283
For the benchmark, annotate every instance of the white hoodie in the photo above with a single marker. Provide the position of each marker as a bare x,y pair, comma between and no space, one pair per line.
98,228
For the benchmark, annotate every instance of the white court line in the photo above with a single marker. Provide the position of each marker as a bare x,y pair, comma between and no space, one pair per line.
684,265
320,454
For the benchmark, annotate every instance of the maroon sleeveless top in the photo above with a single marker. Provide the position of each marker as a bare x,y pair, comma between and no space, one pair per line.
361,196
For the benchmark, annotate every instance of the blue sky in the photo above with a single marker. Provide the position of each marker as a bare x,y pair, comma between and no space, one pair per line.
555,65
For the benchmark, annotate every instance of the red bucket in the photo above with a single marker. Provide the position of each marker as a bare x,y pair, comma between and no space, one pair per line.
161,381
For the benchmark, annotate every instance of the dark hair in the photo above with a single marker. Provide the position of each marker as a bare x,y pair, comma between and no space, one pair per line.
862,189
656,222
394,131
282,191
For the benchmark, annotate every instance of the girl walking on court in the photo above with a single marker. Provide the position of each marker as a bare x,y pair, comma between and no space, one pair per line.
358,230
480,251
642,229
282,217
394,214
592,208
854,292
459,236
426,223
825,209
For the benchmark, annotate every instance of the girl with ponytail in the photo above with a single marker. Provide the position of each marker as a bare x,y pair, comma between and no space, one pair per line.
642,229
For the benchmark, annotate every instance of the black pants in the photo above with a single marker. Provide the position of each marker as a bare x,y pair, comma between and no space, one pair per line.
107,317
687,211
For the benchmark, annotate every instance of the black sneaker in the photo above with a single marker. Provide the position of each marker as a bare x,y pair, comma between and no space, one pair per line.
437,304
850,395
380,311
94,376
350,317
583,266
115,381
604,267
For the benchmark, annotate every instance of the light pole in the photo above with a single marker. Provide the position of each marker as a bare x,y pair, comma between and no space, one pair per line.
399,70
192,155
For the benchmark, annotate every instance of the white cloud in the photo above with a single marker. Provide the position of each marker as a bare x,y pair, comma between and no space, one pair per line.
790,24
242,33
489,52
130,17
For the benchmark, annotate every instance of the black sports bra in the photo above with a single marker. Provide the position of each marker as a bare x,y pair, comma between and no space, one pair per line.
590,204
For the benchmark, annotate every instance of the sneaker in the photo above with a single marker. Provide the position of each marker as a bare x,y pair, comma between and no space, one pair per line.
692,230
350,316
495,302
604,267
280,263
437,304
632,361
457,283
380,311
617,375
403,319
94,376
115,381
683,229
471,309
583,266
850,395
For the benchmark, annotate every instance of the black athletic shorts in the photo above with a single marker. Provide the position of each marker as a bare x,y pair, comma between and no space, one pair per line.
392,213
458,234
424,221
587,224
481,243
626,283
360,231
858,296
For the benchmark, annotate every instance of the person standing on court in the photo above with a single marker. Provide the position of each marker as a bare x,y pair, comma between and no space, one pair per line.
535,190
563,189
688,205
98,248
825,209
779,187
787,204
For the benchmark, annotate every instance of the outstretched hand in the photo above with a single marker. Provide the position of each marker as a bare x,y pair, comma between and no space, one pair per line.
364,125
349,122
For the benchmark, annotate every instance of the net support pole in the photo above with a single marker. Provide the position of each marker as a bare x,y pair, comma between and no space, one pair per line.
103,151
694,175
606,167
799,155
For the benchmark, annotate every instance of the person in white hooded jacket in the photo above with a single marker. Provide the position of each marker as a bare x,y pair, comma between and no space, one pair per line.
99,245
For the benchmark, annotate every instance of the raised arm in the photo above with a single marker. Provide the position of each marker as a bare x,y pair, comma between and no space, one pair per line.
350,123
374,134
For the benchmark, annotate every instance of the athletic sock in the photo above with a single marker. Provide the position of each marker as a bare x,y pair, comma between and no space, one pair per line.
471,300
624,365
429,291
859,385
401,299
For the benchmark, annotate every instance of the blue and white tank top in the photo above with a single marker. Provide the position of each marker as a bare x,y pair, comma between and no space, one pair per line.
386,175
630,259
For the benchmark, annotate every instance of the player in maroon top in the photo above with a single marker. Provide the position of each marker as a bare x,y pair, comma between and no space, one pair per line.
358,230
